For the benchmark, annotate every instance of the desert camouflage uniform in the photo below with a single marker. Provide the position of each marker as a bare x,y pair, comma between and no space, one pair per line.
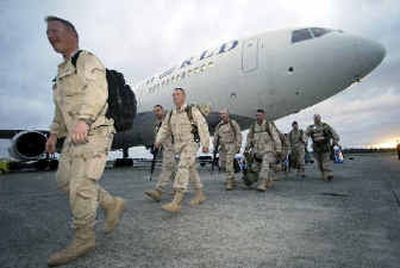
168,161
180,128
298,142
81,94
321,135
265,146
229,139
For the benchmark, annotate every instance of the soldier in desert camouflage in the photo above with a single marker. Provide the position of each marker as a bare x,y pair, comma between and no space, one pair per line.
168,157
323,137
264,142
298,143
80,96
187,127
228,138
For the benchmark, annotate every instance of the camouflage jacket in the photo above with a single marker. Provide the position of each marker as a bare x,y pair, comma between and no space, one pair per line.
178,126
322,135
80,93
264,138
228,133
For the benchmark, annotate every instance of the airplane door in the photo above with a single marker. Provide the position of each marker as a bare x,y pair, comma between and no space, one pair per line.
250,55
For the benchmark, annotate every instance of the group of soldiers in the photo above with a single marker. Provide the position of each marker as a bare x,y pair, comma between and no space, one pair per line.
266,148
323,137
80,97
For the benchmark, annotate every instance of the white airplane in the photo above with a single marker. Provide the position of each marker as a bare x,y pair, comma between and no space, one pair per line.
281,71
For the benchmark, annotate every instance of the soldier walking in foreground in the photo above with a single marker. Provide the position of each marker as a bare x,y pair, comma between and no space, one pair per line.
298,143
187,127
323,137
229,139
265,144
168,157
80,97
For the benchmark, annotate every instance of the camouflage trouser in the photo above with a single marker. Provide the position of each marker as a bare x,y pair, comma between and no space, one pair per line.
221,160
167,170
266,168
187,167
323,163
80,168
298,158
227,156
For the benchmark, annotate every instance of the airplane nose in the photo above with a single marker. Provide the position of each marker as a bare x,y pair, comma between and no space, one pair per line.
370,54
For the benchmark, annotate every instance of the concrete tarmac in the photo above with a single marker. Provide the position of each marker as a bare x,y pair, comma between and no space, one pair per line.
354,221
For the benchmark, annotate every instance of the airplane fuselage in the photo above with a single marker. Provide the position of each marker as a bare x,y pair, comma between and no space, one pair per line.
282,72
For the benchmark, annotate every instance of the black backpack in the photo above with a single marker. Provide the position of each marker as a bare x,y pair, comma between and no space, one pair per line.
122,104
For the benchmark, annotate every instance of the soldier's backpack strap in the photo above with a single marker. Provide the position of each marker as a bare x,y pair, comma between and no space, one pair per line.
189,112
195,128
268,128
253,127
233,127
75,57
157,127
169,117
301,135
218,126
169,124
326,131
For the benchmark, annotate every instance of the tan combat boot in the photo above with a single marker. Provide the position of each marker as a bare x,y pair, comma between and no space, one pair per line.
114,212
268,183
198,198
262,187
82,243
176,205
229,184
154,195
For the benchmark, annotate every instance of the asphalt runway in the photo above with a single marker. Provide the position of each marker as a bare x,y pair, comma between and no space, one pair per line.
354,221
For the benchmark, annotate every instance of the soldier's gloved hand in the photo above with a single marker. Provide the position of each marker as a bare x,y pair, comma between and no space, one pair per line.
205,150
80,132
157,145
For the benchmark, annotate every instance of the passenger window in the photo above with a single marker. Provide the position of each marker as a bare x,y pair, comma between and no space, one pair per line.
300,35
317,32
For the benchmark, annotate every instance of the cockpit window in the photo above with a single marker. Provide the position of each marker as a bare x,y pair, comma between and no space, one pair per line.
300,35
317,32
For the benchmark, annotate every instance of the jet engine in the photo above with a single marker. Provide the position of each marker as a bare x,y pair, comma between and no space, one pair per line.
28,145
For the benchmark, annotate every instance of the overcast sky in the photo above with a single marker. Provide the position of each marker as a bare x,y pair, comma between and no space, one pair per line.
141,38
